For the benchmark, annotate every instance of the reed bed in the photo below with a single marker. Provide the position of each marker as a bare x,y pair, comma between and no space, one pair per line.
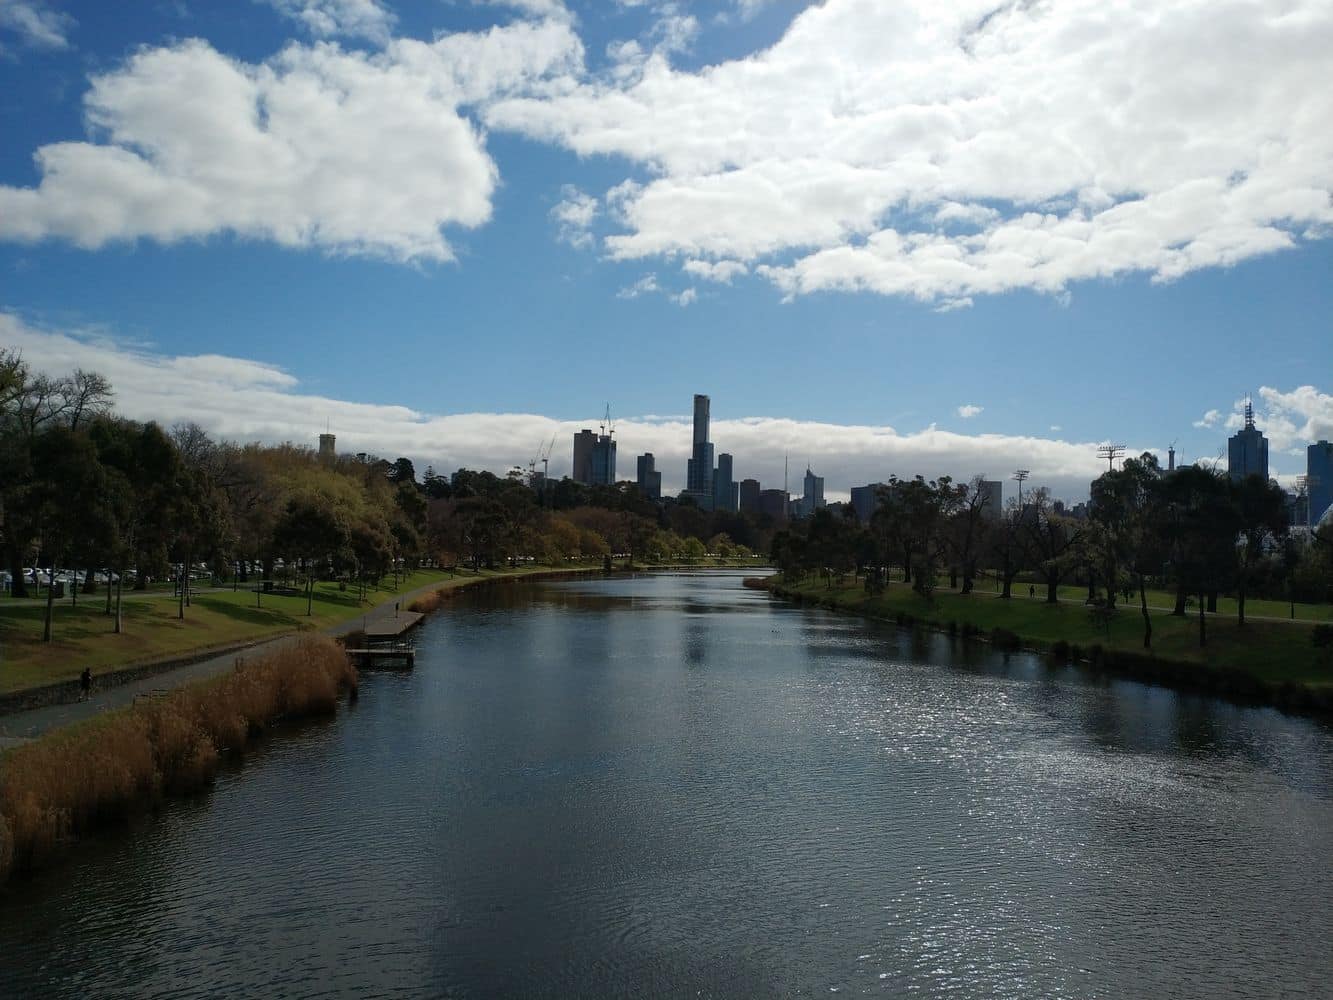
427,603
69,782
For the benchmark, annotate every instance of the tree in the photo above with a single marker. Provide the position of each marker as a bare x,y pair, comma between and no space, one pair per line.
61,498
1261,513
1050,539
312,530
1127,514
967,528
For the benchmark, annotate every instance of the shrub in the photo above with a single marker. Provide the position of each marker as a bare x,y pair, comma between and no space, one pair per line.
1322,635
1002,638
1060,651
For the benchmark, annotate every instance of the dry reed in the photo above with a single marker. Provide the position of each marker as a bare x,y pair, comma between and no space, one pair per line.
427,603
69,782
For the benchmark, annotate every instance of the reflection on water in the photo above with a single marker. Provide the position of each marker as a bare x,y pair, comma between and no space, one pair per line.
669,785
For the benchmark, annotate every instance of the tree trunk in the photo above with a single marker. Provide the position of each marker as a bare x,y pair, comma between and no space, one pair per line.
1143,608
119,577
1203,619
953,577
89,582
108,595
1092,587
140,578
268,574
180,612
309,592
1212,600
1052,590
1179,610
1240,598
50,601
18,582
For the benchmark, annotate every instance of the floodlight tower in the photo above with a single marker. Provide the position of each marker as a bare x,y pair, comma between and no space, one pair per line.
1110,452
1020,475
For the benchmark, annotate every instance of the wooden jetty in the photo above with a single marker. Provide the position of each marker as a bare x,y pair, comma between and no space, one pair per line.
391,626
398,656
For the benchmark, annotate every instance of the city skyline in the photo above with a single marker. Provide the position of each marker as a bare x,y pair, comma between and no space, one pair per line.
951,321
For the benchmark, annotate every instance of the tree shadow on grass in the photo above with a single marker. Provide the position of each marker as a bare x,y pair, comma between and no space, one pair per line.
251,616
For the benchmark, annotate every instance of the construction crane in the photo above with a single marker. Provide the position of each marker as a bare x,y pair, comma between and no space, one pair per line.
606,428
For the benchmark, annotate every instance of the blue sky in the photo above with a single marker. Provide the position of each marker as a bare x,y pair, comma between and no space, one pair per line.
1074,225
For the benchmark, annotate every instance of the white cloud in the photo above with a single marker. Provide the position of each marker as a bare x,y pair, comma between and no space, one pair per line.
574,214
721,270
317,147
1055,428
648,283
968,411
688,297
942,151
36,24
246,400
1290,420
367,19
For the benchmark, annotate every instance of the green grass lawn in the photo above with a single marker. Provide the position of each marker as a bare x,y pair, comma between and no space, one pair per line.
83,637
1274,652
1167,599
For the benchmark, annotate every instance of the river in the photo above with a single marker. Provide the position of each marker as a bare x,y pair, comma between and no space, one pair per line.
671,785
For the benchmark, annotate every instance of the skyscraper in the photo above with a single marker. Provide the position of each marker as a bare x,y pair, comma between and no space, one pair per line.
1247,450
749,496
993,491
699,468
864,501
1319,479
725,492
604,460
583,444
648,478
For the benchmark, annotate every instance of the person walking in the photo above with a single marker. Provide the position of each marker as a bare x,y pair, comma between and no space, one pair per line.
85,683
1032,590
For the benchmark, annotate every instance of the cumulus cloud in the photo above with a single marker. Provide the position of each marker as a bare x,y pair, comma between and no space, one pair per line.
367,19
574,215
35,23
688,297
246,400
349,152
1209,419
968,411
942,151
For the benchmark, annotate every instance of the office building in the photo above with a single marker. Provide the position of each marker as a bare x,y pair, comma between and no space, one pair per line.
583,443
327,447
726,494
993,492
812,500
748,496
1319,479
864,501
774,504
1247,450
604,460
699,468
648,478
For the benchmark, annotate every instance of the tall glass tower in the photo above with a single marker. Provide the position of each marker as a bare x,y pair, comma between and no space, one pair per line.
1247,450
699,469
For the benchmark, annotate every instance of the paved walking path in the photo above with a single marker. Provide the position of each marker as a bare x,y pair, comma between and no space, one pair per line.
20,727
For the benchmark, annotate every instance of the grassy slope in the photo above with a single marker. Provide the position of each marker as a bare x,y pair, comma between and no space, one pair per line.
1271,651
82,635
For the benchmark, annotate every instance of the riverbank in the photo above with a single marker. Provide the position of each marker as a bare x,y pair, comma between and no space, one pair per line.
1273,663
74,780
155,641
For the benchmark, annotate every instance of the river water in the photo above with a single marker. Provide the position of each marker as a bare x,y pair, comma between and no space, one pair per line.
671,785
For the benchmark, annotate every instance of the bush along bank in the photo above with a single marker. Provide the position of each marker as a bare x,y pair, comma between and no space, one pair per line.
1226,681
72,781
